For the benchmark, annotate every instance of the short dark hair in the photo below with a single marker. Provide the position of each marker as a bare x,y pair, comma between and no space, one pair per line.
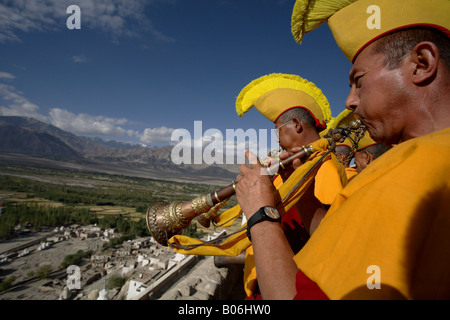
345,150
377,149
301,114
398,44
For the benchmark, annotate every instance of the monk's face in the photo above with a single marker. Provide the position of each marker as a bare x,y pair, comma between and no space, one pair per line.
377,96
292,134
286,134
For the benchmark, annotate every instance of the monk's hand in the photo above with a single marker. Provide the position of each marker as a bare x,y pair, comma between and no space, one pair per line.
254,188
296,163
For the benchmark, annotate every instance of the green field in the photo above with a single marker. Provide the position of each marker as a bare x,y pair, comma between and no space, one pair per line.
48,197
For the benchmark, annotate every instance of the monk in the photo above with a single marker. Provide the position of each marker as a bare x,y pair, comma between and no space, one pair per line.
299,111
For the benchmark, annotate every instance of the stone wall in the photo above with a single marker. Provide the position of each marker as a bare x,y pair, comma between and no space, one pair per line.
203,281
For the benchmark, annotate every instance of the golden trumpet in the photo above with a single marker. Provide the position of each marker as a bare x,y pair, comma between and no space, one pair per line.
165,220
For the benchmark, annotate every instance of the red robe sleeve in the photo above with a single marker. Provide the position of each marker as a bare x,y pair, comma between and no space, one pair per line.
307,289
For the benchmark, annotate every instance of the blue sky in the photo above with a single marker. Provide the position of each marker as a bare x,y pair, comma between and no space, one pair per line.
137,70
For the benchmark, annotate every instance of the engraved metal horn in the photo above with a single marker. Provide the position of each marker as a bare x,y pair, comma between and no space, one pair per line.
165,220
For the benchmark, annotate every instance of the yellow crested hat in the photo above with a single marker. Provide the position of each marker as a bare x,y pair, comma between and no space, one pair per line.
274,94
357,23
343,120
366,141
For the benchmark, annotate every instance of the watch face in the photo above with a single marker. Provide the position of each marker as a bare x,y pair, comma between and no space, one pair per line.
272,212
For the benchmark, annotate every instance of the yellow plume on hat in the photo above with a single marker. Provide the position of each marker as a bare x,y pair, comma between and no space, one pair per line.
356,24
343,119
308,15
276,93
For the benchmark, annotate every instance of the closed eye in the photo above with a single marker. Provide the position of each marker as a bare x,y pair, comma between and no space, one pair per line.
357,81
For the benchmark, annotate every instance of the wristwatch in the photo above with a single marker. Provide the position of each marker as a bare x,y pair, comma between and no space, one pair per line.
264,213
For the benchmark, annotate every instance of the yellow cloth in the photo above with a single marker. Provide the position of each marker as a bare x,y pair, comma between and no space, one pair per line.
250,278
351,173
329,181
394,215
239,242
355,24
277,181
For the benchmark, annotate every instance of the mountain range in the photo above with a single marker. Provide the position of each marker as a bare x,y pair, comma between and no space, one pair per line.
27,141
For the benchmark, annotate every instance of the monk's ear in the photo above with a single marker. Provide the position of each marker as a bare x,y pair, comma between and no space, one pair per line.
368,157
425,60
298,125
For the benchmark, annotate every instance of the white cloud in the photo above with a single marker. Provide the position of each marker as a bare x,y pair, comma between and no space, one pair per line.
214,146
84,124
156,135
14,103
18,105
131,133
116,18
6,75
79,59
231,143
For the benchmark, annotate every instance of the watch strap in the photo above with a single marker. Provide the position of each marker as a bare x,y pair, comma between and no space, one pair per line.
259,216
